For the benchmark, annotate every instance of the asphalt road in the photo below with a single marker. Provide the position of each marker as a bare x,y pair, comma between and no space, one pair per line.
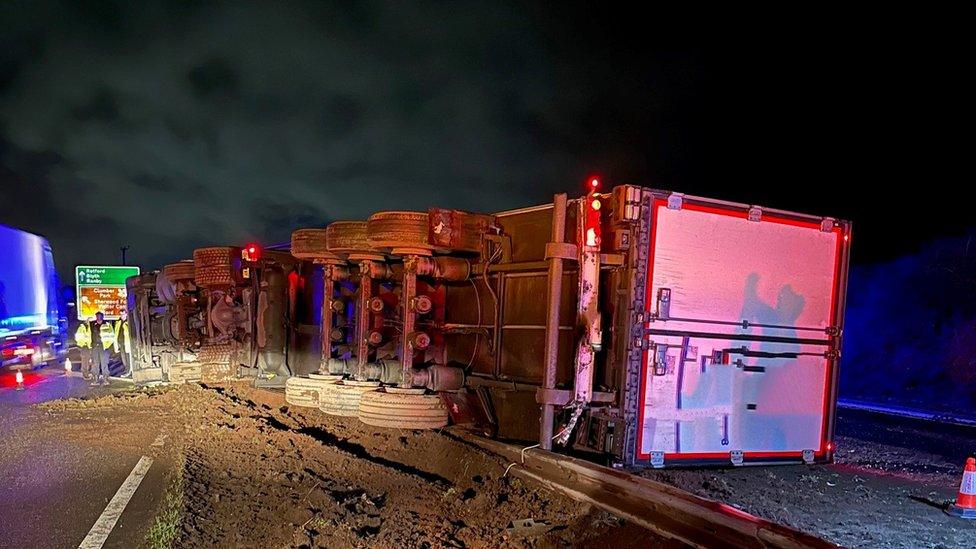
56,479
52,488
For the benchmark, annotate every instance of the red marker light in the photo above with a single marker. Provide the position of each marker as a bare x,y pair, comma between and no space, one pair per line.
830,446
594,183
251,253
596,204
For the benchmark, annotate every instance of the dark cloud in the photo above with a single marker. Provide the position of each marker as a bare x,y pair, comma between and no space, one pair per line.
275,221
103,106
213,78
151,182
170,125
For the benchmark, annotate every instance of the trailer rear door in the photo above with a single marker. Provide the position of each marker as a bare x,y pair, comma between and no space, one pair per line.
743,315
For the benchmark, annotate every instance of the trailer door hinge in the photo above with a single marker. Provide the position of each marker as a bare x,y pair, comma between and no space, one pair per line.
657,460
675,201
827,224
808,457
755,213
736,457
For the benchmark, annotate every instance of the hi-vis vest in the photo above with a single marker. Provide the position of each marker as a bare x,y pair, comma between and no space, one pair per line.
83,335
123,338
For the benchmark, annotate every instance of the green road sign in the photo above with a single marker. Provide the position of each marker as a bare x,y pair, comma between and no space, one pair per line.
101,289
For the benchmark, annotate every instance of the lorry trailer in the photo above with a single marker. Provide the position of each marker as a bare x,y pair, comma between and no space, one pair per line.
639,326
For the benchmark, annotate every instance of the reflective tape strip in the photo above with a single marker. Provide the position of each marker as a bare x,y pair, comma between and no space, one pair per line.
968,485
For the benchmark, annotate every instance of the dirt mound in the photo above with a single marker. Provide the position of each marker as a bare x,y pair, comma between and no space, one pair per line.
264,473
257,472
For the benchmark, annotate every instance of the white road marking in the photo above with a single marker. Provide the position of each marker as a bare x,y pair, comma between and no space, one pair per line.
106,522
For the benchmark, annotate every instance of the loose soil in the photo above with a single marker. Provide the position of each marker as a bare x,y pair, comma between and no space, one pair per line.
259,473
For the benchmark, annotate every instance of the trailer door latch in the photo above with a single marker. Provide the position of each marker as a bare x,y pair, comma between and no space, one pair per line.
659,358
736,457
808,457
663,304
755,213
657,460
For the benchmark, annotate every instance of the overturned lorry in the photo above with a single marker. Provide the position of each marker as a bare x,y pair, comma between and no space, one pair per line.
165,322
642,326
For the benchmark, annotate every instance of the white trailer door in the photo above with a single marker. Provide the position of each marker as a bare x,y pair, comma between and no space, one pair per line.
739,346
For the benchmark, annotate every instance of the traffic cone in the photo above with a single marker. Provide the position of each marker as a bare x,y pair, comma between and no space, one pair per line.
965,506
20,381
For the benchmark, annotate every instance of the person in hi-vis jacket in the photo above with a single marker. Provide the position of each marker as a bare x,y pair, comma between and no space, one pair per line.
121,341
92,335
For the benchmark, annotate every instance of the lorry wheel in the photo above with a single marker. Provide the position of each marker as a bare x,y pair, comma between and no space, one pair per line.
342,399
141,282
215,353
311,244
305,391
402,410
344,237
217,372
388,230
330,378
216,266
184,372
179,272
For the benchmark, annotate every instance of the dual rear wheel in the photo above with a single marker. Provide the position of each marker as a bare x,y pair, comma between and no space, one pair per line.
389,407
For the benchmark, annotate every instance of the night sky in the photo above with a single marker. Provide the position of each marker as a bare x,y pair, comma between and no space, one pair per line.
170,126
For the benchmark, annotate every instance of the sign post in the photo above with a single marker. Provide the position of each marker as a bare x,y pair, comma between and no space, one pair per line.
101,288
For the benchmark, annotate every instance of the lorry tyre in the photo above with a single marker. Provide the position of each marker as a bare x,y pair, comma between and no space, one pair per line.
402,410
305,391
388,230
215,353
216,266
342,399
184,372
311,244
330,378
217,372
180,272
344,237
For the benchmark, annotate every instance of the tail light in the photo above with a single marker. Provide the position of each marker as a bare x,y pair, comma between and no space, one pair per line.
251,252
592,214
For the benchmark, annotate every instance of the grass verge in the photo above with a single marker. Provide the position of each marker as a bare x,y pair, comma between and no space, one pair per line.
166,527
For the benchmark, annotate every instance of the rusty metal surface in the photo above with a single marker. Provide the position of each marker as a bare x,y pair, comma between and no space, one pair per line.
363,318
554,281
408,317
325,335
456,230
661,508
